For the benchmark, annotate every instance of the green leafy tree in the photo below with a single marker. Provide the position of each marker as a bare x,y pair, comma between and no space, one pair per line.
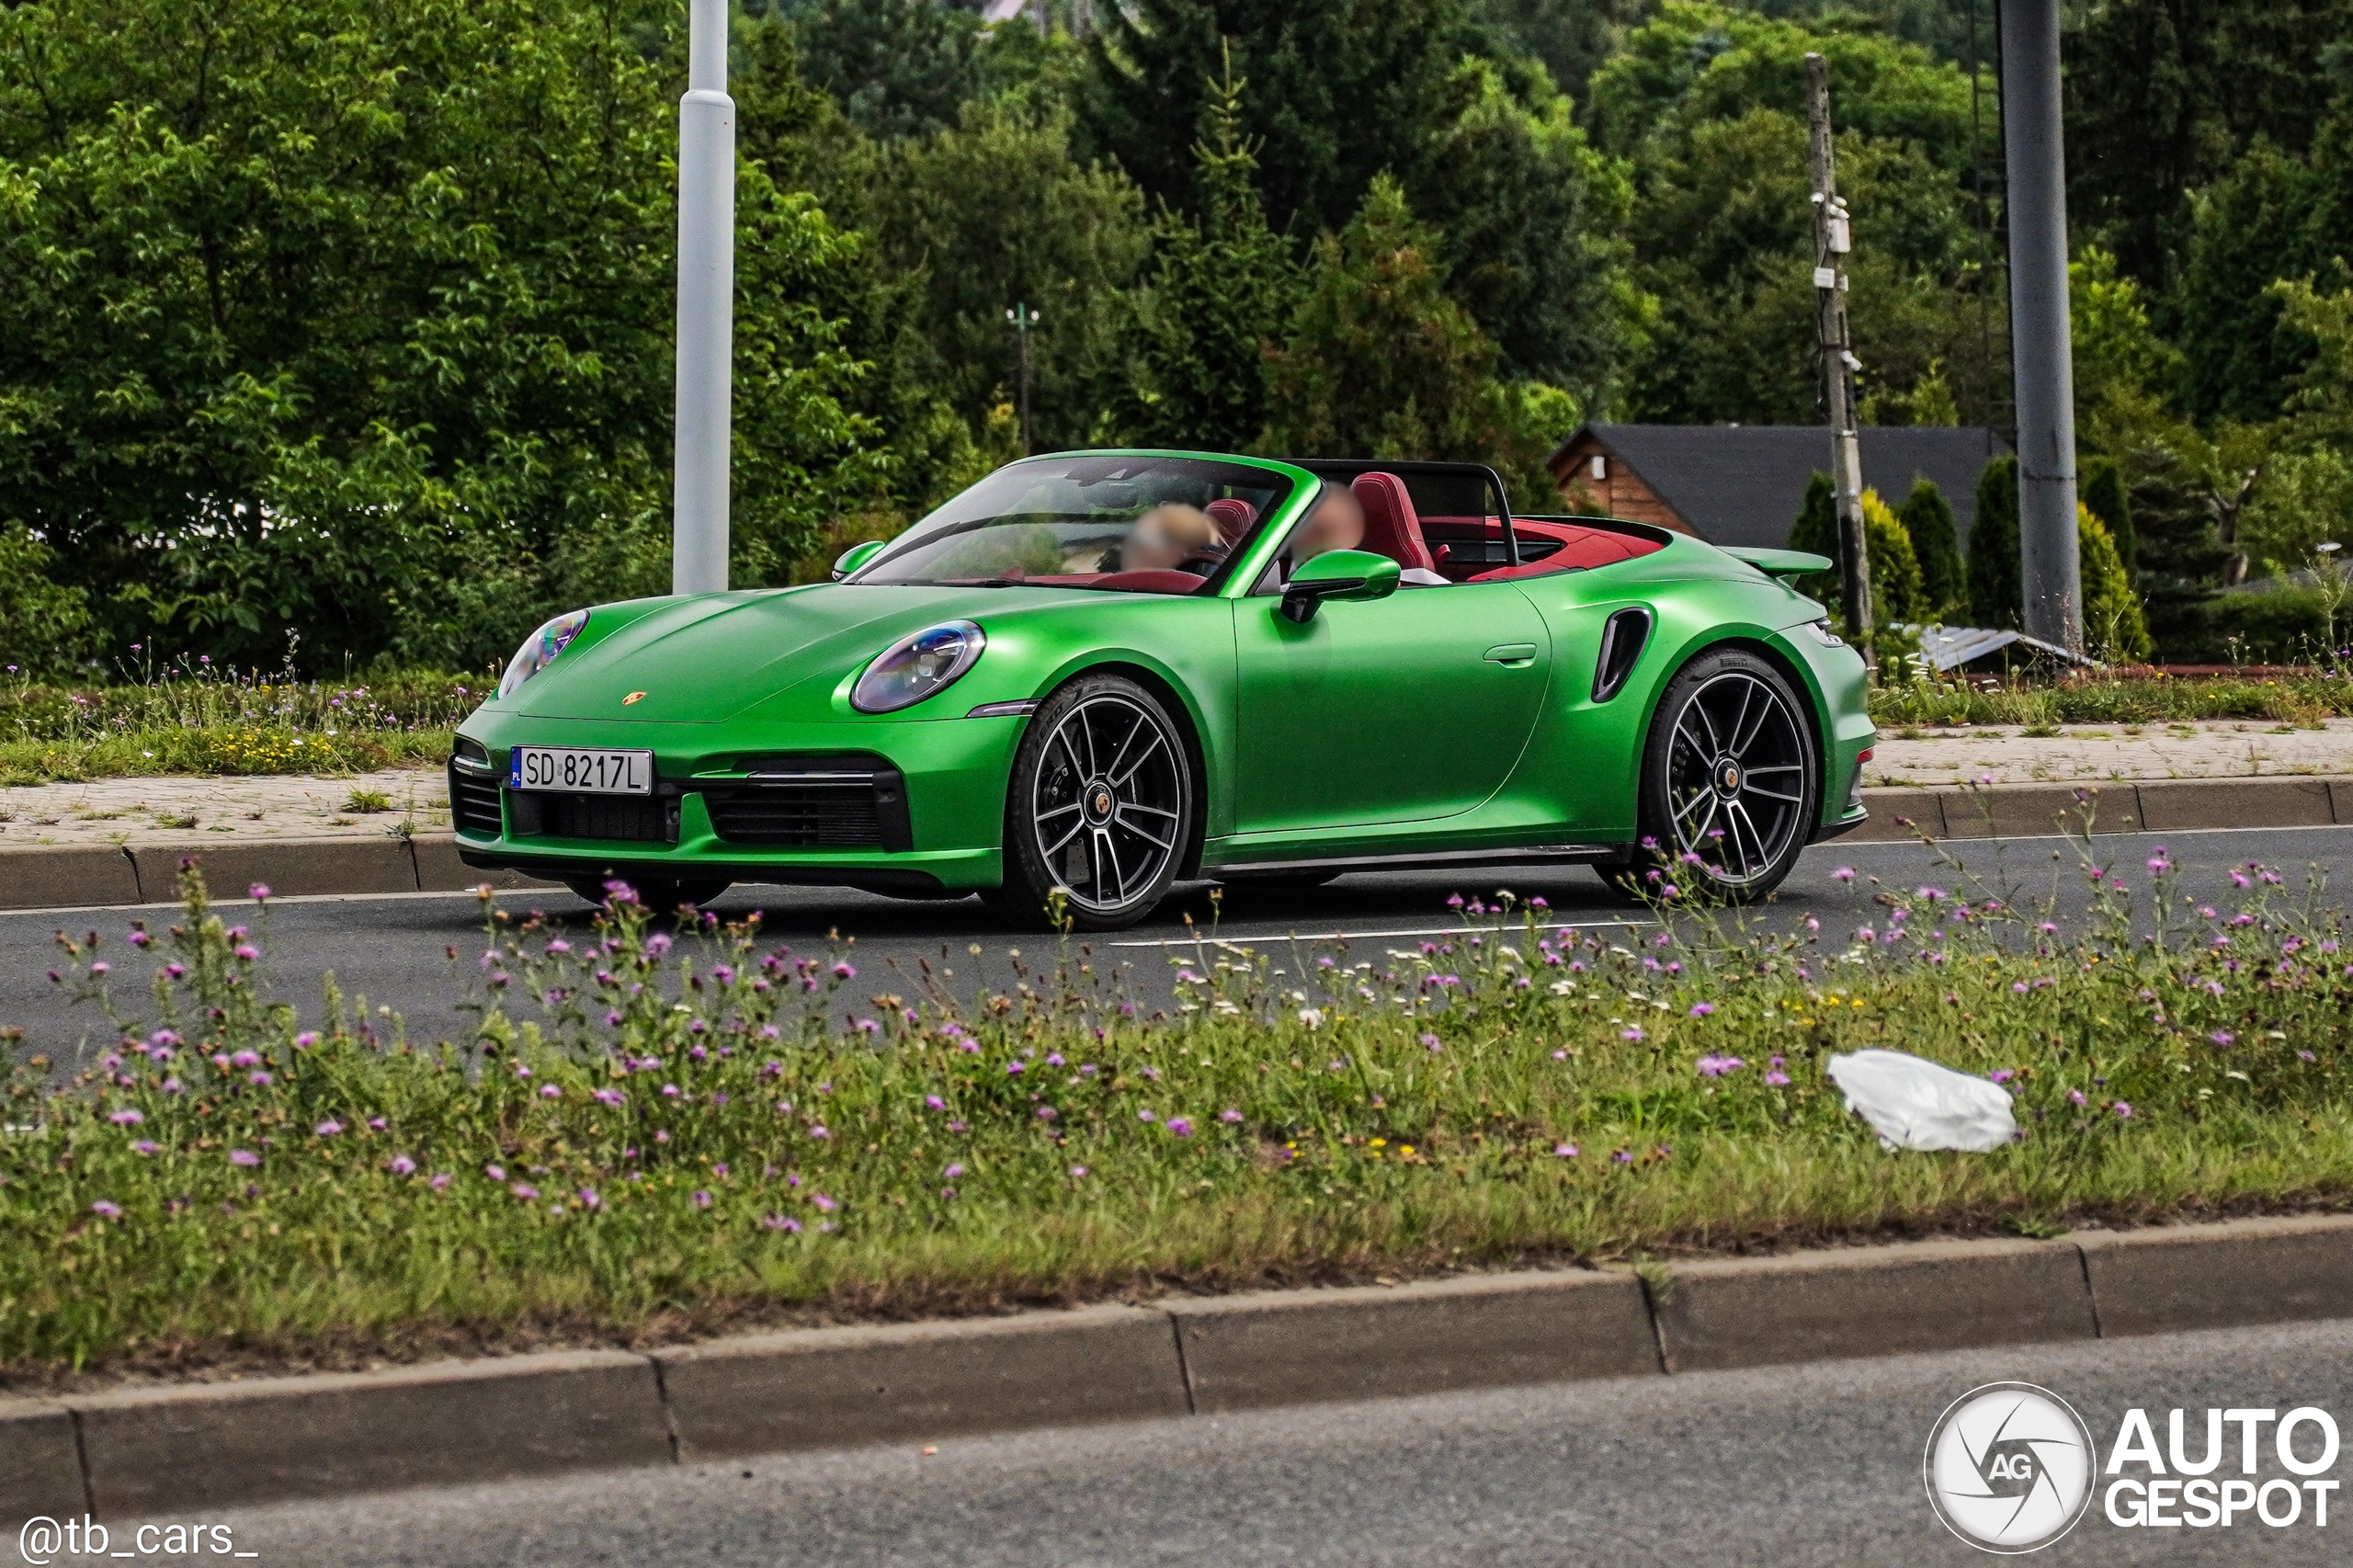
2104,492
2114,628
1927,522
354,319
1708,104
1898,593
1379,361
999,211
44,624
897,67
1994,593
1219,297
2165,97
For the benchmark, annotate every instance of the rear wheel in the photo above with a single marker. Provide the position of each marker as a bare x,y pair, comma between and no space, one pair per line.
1100,806
1731,780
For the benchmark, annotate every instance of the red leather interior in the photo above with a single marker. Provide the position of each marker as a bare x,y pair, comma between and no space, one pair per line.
1391,527
1580,548
1232,515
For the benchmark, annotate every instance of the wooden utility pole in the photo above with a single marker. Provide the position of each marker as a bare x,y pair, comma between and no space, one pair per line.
1832,240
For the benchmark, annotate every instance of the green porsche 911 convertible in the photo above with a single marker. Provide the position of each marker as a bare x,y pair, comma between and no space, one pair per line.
1094,675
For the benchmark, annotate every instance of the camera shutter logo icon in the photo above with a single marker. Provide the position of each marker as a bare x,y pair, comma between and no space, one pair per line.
2010,1468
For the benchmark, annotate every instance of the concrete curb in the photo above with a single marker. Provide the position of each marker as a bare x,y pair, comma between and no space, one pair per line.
2158,805
45,877
94,876
130,1452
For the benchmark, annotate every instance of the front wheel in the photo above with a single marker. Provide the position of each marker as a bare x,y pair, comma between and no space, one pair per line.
1731,784
1100,806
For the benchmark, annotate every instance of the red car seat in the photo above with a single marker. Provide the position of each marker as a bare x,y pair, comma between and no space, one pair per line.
1392,526
1232,515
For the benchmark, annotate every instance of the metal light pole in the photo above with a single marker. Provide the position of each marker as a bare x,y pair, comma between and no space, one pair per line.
1023,318
2050,571
706,307
1833,238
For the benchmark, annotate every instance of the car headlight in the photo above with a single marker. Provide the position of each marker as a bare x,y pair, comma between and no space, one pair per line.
1823,635
540,648
915,667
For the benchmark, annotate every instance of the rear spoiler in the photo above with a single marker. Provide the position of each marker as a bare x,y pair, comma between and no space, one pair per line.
1780,562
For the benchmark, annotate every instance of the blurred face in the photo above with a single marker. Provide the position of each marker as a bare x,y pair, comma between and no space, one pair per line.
1165,535
1338,523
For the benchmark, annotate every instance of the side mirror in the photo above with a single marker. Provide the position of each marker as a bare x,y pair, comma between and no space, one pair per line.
1337,575
856,556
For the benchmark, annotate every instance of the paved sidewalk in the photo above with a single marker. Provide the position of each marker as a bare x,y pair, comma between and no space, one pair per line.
137,812
2079,753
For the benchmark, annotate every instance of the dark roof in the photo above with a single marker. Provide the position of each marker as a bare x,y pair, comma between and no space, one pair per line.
1744,483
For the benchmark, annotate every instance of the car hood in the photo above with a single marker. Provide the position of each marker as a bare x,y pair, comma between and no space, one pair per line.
710,657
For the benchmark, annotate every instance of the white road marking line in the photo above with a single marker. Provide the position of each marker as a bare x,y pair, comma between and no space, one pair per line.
1229,938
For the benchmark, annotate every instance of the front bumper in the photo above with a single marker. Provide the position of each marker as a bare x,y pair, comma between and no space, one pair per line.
911,807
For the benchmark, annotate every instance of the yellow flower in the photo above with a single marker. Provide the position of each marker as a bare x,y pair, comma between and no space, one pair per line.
1381,1142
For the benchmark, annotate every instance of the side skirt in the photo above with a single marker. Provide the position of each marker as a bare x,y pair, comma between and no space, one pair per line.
1524,855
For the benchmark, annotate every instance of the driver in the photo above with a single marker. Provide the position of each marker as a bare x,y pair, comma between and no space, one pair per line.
1166,536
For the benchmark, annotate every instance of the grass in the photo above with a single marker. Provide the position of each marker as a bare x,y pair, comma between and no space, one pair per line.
189,717
2120,699
656,1134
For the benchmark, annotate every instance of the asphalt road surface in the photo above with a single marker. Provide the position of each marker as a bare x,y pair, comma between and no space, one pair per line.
391,949
1808,1465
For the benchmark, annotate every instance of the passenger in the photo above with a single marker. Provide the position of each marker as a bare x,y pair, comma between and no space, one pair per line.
1338,523
1170,538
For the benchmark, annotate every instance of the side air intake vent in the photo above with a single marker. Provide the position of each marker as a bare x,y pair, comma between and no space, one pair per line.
1622,641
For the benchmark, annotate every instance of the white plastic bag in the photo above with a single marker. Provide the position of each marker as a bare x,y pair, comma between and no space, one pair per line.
1918,1105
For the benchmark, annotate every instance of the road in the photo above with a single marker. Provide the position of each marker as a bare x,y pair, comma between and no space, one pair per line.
391,949
1808,1465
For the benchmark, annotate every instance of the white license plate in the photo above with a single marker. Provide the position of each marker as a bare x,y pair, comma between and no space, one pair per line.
580,770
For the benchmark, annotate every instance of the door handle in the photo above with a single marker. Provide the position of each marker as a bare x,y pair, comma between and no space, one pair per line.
1512,653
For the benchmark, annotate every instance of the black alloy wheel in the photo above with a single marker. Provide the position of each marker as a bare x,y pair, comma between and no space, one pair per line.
1100,806
1731,779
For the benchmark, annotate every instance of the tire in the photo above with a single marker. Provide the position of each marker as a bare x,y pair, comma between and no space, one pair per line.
1100,807
661,895
1731,774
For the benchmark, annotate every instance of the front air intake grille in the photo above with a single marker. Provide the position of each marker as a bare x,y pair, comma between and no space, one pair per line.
473,801
797,816
627,819
813,803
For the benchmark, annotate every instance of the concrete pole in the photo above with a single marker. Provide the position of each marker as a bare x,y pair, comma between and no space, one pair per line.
2050,571
706,308
1833,238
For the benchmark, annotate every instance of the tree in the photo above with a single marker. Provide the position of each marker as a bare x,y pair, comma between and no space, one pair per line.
2113,626
1927,522
1220,295
1380,362
2104,492
1897,590
1994,593
354,318
44,624
1344,90
995,213
897,67
2163,96
1708,104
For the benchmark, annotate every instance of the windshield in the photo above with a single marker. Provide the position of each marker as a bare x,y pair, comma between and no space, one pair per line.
1122,524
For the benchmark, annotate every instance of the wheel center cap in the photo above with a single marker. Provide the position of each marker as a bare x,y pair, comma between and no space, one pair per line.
1100,802
1728,778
